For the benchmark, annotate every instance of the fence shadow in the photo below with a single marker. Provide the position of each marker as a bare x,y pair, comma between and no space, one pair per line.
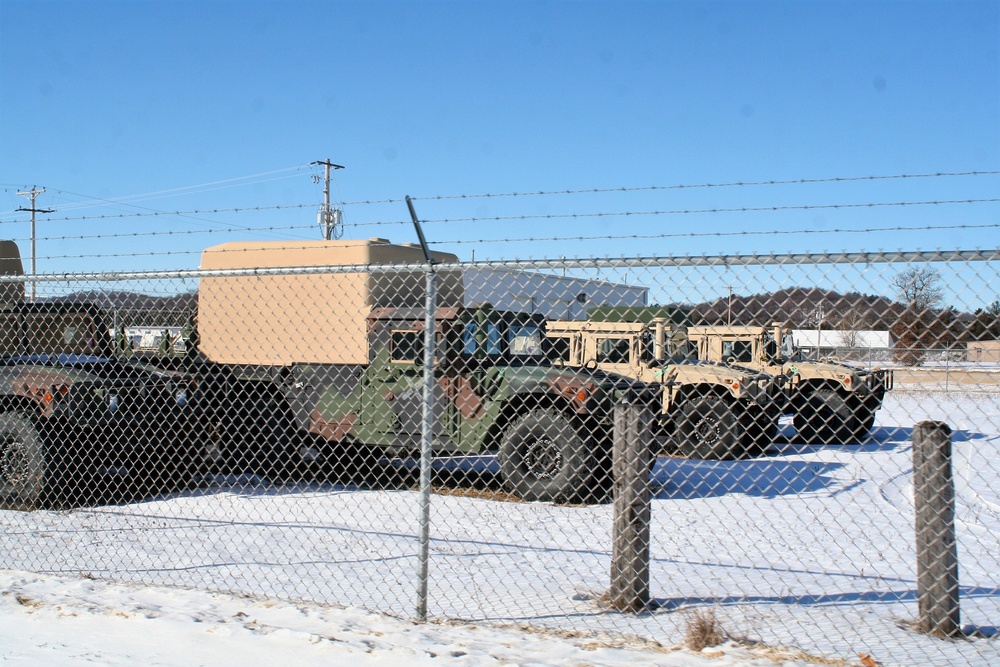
674,478
809,599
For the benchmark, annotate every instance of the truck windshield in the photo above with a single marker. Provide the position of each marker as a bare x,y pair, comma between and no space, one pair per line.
525,340
492,339
787,346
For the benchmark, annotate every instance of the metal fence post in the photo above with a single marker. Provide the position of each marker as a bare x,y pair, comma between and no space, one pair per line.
937,554
427,426
631,463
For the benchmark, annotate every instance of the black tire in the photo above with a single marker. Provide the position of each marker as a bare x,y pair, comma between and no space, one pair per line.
864,420
760,428
709,428
826,417
23,469
544,457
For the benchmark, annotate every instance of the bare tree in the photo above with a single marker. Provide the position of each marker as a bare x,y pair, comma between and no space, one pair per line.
919,288
850,327
920,291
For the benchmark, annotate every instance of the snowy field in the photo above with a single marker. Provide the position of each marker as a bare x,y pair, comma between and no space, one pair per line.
810,547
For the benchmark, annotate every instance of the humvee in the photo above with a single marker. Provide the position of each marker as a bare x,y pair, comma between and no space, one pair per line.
708,410
332,361
79,423
830,401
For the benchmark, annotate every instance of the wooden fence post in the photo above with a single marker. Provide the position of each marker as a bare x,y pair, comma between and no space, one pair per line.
937,553
632,462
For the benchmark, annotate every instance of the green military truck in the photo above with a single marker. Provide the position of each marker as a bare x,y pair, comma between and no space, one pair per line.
708,410
830,401
331,361
77,423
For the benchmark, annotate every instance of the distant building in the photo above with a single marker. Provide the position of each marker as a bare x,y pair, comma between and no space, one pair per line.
837,342
556,297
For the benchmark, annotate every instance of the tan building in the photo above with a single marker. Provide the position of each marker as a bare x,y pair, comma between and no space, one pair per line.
986,352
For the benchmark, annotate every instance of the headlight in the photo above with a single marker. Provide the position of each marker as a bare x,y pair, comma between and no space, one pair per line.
181,397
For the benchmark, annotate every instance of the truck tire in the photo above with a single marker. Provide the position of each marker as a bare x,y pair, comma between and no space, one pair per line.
864,420
759,427
23,470
709,428
544,457
826,417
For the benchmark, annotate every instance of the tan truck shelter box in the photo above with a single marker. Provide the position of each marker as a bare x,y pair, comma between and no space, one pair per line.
314,318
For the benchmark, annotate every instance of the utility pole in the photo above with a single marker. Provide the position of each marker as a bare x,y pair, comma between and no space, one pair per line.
330,219
730,316
819,328
33,195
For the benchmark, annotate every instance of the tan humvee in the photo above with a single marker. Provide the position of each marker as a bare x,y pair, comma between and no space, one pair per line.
831,401
709,410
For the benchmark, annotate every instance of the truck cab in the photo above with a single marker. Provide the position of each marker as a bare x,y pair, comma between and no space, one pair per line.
830,401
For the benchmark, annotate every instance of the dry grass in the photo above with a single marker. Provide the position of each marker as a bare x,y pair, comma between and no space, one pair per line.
484,494
702,629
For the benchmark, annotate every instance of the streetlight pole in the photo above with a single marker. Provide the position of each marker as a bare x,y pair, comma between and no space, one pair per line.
32,194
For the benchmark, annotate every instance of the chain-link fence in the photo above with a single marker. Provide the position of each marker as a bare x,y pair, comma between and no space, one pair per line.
305,427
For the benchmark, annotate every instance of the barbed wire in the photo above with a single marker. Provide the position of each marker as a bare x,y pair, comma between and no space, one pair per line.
554,216
741,209
155,214
633,237
609,237
797,181
801,181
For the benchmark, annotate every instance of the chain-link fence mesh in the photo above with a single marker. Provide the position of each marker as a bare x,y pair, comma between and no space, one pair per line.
256,426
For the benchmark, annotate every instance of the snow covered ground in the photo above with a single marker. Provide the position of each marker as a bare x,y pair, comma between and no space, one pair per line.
808,547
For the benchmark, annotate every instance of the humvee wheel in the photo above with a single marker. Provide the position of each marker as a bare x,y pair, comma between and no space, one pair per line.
864,420
22,463
826,417
708,428
543,457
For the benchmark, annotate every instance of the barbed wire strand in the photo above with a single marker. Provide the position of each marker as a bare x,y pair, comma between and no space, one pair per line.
797,181
609,237
801,181
554,216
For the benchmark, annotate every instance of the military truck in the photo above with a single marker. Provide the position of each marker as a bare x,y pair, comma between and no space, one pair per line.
78,424
830,401
708,410
329,357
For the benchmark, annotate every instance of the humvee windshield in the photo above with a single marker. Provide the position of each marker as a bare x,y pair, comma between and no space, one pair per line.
525,340
407,346
740,350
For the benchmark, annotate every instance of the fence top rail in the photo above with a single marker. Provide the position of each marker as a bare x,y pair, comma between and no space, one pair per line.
880,257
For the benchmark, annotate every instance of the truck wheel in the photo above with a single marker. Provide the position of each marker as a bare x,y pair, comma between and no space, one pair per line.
864,419
760,428
825,417
708,428
22,463
543,457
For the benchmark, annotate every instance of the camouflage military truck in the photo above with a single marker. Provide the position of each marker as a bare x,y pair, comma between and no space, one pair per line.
77,423
708,410
332,362
830,401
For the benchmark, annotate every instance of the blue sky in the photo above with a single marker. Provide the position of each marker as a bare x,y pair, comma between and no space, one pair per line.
112,100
